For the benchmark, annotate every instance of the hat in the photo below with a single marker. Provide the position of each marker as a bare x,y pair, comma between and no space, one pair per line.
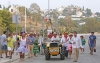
70,34
31,32
54,32
65,32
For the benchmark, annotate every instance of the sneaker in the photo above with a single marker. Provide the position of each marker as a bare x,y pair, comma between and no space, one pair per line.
7,56
1,57
10,58
74,61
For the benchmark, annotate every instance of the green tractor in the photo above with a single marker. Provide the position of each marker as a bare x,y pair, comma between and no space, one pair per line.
54,49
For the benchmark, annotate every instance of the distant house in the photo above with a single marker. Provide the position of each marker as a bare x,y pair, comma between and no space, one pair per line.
1,7
61,17
82,23
93,15
75,17
14,9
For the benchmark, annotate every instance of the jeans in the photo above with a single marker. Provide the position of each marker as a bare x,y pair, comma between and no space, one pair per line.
66,52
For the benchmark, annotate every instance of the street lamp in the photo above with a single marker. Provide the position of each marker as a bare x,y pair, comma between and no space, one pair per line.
48,8
25,19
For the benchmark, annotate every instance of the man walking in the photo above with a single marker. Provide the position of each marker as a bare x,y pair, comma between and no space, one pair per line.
76,44
4,43
30,43
64,40
92,42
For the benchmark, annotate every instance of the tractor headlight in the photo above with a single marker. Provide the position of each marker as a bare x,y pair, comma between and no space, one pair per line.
48,45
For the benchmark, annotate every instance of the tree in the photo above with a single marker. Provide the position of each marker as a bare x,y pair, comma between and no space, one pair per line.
68,24
22,12
35,12
2,25
89,13
91,25
98,14
6,20
0,6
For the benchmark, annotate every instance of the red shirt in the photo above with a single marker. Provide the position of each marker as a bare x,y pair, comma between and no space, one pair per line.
50,35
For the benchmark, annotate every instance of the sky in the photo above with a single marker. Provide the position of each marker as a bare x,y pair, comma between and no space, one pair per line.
94,5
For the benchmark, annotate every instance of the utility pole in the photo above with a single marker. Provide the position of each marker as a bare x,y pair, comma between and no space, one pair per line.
25,19
48,8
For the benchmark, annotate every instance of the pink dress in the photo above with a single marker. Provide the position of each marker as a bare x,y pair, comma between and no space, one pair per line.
69,47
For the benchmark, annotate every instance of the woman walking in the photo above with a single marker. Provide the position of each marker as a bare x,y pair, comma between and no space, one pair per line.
36,48
69,48
83,43
22,48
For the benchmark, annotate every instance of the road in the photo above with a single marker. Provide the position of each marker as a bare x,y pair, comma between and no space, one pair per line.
83,58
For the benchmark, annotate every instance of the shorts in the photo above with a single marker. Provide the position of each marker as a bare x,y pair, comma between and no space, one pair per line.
91,45
4,47
10,49
0,47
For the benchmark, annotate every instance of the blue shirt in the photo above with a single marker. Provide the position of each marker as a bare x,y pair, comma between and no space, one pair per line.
31,39
92,39
3,42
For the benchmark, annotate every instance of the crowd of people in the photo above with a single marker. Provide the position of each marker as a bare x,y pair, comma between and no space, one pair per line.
22,43
73,43
30,43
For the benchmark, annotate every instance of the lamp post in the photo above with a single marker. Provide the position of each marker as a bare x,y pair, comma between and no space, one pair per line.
25,19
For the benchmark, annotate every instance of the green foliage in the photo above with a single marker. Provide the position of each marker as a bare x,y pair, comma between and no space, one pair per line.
0,6
6,21
35,12
22,12
92,24
89,12
2,25
67,25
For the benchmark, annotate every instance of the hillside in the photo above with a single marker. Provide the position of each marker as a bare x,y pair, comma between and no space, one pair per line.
31,24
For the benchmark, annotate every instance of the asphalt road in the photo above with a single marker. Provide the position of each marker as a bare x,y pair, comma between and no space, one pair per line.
83,58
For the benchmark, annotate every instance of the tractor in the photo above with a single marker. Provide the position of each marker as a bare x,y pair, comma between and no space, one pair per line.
54,49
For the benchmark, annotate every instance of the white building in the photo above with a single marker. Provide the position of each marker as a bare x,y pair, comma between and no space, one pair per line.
14,9
75,17
1,8
82,23
60,10
93,15
61,17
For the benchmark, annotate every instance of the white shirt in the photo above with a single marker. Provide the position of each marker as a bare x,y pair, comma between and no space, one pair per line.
55,38
14,36
63,39
78,42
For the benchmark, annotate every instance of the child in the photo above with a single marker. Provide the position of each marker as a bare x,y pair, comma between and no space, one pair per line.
10,45
83,44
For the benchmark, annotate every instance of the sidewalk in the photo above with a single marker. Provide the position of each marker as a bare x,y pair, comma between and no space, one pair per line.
7,60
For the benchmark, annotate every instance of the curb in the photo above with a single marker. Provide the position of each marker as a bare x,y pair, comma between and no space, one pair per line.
11,60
